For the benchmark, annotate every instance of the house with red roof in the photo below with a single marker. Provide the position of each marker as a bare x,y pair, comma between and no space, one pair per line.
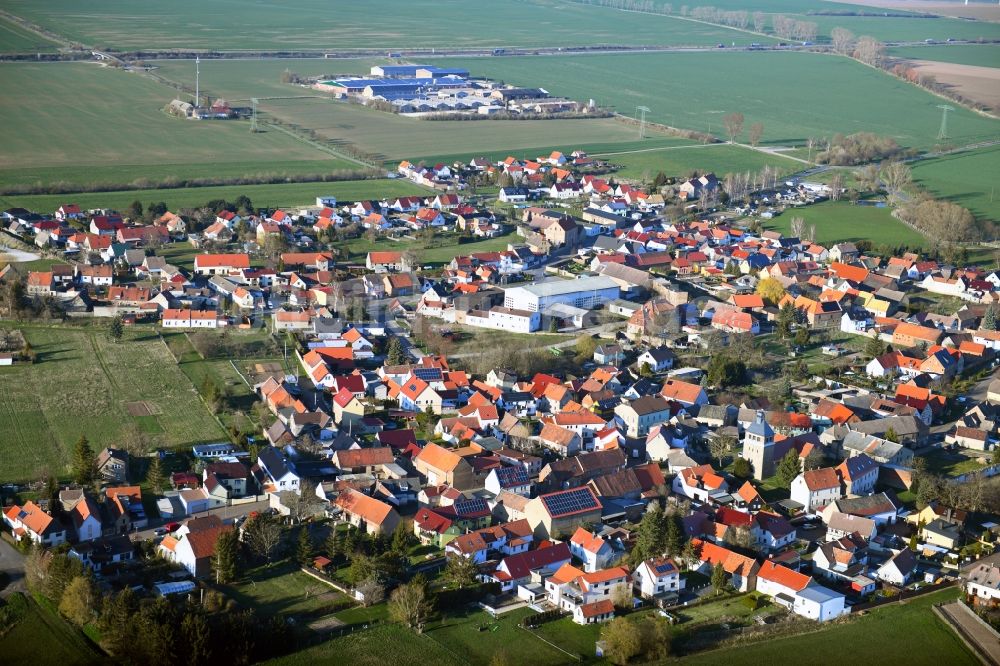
699,483
594,551
30,522
514,570
193,545
588,596
370,515
741,569
220,264
799,593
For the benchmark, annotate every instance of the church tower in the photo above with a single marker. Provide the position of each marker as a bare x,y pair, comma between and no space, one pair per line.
758,447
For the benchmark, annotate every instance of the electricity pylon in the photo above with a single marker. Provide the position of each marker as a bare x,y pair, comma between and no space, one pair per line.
643,110
943,132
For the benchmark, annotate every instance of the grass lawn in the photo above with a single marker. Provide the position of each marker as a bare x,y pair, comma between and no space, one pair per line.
947,463
903,635
838,221
574,638
362,615
291,194
734,607
381,645
680,161
84,384
282,589
794,95
965,179
15,39
982,55
116,118
42,637
460,634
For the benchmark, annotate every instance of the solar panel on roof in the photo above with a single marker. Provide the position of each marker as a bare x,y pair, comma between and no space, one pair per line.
427,374
567,502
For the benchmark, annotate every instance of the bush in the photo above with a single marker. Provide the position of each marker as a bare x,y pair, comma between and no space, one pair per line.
12,611
532,621
460,597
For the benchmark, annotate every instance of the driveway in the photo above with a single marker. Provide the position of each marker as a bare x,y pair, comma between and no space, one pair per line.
226,513
12,564
974,631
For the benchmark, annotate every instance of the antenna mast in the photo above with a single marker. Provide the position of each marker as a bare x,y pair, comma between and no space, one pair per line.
197,81
253,116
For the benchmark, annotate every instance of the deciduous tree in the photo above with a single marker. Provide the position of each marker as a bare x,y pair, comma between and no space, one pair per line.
408,605
756,133
622,640
842,40
460,571
733,122
770,290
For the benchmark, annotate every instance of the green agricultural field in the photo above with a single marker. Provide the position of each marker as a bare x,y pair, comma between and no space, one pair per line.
320,24
15,39
886,28
841,221
982,55
273,196
927,640
397,137
121,176
718,157
84,384
84,115
968,179
794,95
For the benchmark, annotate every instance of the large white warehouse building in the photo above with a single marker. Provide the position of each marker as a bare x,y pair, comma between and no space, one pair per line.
586,292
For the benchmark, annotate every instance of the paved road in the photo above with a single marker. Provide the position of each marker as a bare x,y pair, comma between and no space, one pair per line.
982,638
226,513
12,564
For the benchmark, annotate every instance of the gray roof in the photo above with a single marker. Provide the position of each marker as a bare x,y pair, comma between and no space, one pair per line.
561,287
760,427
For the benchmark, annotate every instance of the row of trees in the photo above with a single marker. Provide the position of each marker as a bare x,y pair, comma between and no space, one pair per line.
858,148
789,28
941,220
739,186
